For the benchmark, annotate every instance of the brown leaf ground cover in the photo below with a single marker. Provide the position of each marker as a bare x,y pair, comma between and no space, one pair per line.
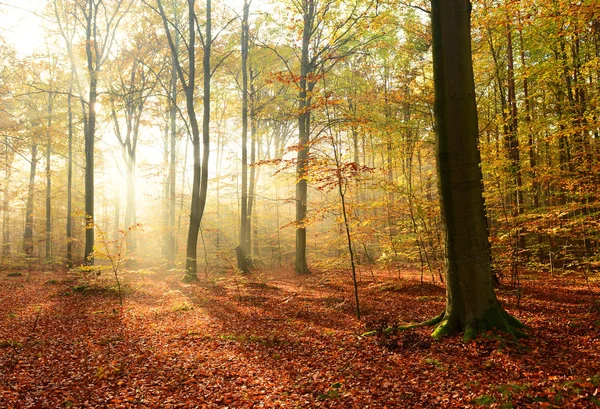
283,342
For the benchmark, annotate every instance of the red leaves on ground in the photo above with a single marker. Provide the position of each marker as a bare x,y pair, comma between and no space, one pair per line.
283,342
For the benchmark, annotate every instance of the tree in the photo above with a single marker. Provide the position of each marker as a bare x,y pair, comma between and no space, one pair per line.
243,250
9,125
187,78
326,39
471,304
132,86
99,21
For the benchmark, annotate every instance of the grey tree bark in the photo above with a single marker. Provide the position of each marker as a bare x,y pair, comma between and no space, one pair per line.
187,79
28,233
243,250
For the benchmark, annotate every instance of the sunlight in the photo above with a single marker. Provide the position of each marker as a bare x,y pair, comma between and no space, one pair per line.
364,177
21,25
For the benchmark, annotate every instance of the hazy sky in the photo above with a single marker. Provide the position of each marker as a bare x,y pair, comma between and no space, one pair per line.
20,26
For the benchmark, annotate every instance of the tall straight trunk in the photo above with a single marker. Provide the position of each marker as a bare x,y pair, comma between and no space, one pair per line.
471,304
244,246
49,182
206,109
389,138
130,202
165,196
97,42
28,234
200,175
254,173
200,178
304,113
513,136
117,214
219,154
90,135
6,201
530,135
70,177
171,243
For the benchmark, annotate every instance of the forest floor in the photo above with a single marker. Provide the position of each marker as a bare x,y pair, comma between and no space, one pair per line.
281,341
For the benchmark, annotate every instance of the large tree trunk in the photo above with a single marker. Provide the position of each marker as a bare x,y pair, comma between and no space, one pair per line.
471,304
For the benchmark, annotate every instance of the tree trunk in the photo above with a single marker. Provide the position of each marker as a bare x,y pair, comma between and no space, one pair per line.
130,202
304,102
254,174
471,304
171,244
89,175
200,179
243,250
512,138
6,201
70,178
28,234
49,182
206,109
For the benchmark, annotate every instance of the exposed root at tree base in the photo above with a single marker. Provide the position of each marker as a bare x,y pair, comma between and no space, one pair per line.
495,318
188,279
429,323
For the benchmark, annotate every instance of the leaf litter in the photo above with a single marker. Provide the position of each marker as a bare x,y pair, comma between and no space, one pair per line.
276,340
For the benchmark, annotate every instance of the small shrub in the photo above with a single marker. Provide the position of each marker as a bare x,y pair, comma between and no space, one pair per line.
393,337
484,400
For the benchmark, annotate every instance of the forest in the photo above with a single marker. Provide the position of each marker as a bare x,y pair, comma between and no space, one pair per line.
299,203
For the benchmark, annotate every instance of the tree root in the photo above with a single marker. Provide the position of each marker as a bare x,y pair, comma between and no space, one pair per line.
429,323
496,318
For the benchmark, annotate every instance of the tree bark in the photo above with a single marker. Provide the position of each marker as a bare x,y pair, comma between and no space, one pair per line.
471,304
304,102
243,250
188,82
28,234
49,180
70,178
6,201
171,243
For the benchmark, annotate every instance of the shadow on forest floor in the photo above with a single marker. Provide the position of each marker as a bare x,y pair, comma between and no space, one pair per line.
277,340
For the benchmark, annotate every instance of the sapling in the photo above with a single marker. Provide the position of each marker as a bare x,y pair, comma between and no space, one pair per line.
115,256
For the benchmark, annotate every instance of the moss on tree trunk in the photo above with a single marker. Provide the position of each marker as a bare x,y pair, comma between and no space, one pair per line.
471,304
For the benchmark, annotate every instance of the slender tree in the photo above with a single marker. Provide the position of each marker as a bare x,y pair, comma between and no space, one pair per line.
69,226
326,40
243,250
131,89
187,78
28,233
99,20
